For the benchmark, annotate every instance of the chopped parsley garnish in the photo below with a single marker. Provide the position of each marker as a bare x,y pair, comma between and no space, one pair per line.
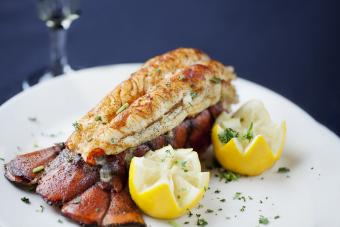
209,211
200,206
184,167
263,220
189,213
217,191
277,217
112,141
237,195
173,223
97,210
227,175
38,169
122,108
60,221
230,133
2,159
193,94
243,208
222,200
158,70
227,135
215,80
283,170
98,118
76,126
249,134
181,77
185,223
26,200
201,222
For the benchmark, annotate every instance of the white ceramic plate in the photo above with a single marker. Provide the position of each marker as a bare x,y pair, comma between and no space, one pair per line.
309,195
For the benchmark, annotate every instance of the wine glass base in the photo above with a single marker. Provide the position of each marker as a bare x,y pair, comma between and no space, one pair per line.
42,75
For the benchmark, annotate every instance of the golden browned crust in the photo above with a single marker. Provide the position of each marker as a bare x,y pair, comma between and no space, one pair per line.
154,105
140,82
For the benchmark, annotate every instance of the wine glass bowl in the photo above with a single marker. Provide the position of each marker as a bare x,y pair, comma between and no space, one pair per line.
58,13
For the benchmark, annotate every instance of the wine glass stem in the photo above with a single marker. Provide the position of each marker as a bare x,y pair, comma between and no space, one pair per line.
59,64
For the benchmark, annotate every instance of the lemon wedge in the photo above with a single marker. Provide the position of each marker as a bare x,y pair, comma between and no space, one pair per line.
248,142
166,183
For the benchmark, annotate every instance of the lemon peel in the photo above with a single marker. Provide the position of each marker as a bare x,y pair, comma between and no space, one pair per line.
167,183
244,155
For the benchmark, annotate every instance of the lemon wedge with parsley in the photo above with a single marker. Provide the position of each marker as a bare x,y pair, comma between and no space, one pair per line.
166,183
248,142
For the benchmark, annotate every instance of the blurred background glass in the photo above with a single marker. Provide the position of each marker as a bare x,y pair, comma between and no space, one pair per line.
58,16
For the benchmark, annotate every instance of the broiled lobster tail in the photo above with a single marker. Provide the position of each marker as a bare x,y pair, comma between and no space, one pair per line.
78,188
172,99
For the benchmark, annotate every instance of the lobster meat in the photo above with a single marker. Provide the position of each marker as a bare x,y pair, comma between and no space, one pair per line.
173,99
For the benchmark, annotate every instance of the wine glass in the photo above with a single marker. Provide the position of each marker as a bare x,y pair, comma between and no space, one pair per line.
58,16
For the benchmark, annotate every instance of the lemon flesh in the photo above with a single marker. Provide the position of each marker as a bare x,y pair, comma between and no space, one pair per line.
248,155
166,183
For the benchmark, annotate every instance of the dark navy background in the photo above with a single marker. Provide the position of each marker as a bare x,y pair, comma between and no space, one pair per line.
291,46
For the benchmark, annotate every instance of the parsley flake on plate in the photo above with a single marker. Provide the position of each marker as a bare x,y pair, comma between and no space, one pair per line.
201,222
283,170
209,211
263,220
26,200
227,175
